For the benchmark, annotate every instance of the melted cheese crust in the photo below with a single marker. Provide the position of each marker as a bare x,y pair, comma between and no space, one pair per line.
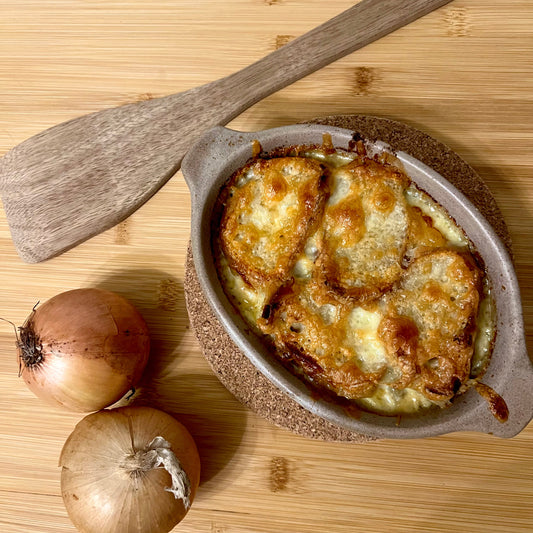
365,228
269,211
372,294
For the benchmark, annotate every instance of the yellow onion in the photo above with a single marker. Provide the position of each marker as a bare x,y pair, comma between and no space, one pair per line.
130,469
83,349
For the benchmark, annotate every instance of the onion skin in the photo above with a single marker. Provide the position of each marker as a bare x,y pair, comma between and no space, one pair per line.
83,349
100,495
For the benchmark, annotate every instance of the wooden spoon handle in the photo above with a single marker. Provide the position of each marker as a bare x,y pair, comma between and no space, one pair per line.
356,27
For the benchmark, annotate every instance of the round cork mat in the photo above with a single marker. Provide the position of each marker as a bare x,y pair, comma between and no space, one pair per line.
234,369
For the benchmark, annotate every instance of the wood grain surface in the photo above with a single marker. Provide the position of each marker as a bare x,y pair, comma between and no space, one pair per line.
105,165
463,74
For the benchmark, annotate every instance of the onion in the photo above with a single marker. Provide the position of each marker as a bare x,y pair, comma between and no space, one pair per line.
83,349
130,469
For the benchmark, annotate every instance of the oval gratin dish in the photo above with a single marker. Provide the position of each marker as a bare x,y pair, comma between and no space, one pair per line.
221,151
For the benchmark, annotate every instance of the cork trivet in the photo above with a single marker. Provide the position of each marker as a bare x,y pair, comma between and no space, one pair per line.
234,369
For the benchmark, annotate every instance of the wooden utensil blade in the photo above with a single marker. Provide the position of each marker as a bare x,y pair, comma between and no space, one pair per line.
105,166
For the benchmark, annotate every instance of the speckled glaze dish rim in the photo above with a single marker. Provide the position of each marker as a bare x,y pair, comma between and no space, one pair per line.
221,151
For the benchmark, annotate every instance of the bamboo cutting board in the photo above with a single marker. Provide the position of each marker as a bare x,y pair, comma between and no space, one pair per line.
463,74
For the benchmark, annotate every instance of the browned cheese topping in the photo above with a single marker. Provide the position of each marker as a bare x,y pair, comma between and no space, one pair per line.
268,218
361,283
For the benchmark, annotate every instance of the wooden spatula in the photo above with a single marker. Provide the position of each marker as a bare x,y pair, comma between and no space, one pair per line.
81,177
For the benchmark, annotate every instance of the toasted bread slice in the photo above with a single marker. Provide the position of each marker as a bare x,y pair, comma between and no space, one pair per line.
317,340
269,209
365,229
439,293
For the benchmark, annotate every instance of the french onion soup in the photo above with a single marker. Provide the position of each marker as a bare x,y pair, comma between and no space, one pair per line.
358,281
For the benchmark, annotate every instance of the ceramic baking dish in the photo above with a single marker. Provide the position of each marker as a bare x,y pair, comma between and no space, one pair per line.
221,151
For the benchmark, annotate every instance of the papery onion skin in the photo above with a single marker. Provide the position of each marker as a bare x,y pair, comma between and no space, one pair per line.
83,349
100,496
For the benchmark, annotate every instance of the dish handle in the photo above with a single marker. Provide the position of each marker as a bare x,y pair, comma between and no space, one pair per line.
208,156
518,396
